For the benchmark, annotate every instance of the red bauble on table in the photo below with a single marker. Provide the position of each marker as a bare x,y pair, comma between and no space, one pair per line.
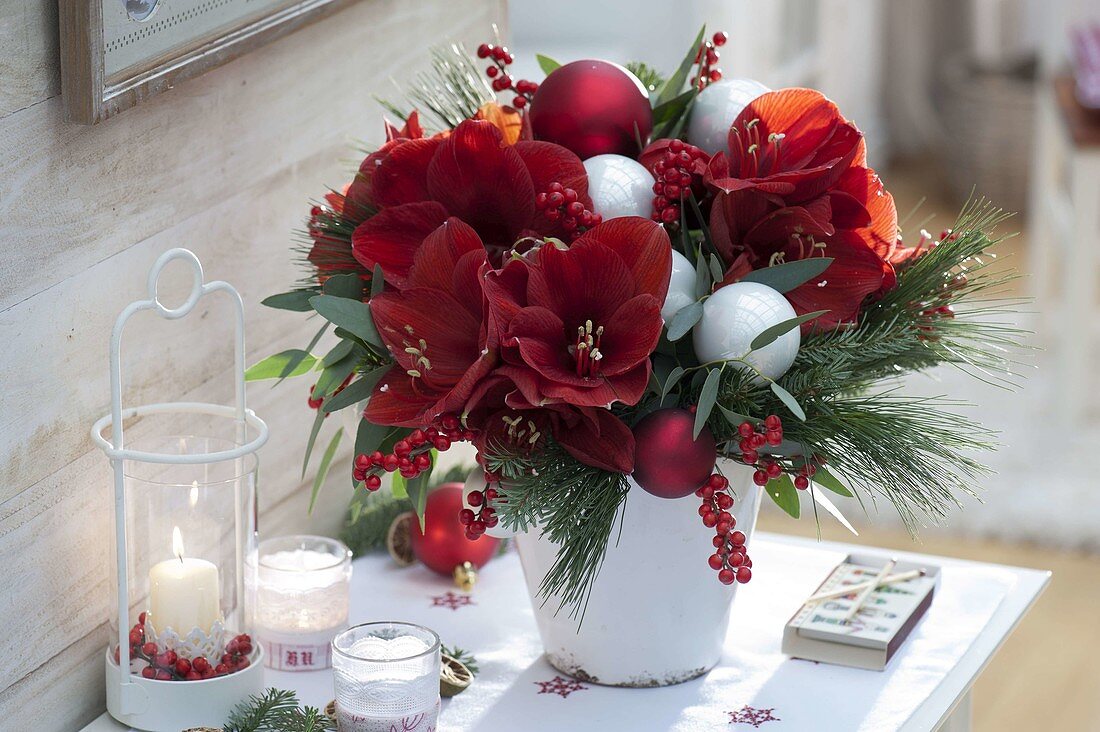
443,545
592,107
668,462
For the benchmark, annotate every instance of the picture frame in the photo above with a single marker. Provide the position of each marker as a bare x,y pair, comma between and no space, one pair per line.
116,53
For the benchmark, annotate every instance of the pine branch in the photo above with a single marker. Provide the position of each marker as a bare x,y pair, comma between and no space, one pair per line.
573,505
651,78
451,91
365,528
256,714
463,657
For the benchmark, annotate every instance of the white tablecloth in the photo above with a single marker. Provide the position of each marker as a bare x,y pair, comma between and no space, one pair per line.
755,686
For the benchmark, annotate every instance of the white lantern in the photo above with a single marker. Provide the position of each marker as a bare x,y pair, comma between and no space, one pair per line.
181,654
619,186
715,109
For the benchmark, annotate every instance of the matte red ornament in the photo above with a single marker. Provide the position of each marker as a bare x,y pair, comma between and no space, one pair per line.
592,107
667,462
443,545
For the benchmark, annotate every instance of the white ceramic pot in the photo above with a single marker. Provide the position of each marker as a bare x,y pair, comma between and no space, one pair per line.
657,614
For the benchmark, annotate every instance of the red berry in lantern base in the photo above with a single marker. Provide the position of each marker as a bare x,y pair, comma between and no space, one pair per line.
669,462
592,107
730,556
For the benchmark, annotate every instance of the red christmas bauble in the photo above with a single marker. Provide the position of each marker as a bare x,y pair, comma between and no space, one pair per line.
592,107
668,462
443,545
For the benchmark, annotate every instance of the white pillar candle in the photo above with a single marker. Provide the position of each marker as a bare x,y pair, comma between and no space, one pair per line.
184,592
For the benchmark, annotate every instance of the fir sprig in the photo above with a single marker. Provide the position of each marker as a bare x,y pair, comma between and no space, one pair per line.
277,711
572,504
450,91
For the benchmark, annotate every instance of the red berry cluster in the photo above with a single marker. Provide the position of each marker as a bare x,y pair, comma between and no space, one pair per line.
730,559
167,665
707,60
411,455
677,172
559,203
501,79
316,403
770,432
485,516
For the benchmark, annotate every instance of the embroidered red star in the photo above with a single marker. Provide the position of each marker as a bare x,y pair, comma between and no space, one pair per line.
452,600
560,686
752,715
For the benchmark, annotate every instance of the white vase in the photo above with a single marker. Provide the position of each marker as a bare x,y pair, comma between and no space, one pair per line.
657,614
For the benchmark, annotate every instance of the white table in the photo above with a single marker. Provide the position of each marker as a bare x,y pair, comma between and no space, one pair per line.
498,628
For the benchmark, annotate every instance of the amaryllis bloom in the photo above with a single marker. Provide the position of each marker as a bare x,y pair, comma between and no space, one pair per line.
505,422
434,328
577,325
330,252
471,174
795,185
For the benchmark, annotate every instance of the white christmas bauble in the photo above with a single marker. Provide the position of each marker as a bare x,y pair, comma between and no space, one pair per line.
716,107
619,186
475,481
734,315
681,286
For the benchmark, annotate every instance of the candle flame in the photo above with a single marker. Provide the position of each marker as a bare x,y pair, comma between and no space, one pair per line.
193,496
177,542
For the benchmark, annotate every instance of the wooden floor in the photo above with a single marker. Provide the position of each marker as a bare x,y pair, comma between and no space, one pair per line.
1047,675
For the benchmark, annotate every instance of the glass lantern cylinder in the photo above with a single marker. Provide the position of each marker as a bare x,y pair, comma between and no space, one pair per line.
181,652
298,595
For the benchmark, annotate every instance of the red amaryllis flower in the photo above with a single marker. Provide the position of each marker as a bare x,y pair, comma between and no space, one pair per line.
577,325
330,251
594,436
434,329
795,186
471,174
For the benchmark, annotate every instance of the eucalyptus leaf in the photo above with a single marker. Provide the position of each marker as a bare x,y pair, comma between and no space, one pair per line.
733,417
707,397
782,491
546,63
333,376
684,320
318,420
348,285
785,277
768,335
399,485
417,490
352,315
787,399
827,480
322,470
705,229
673,378
356,391
273,367
703,281
675,83
717,273
377,281
338,353
295,300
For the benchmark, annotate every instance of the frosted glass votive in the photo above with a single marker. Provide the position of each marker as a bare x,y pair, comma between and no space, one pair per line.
298,586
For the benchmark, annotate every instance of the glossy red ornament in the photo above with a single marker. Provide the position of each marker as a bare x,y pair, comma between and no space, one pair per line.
443,544
668,462
592,107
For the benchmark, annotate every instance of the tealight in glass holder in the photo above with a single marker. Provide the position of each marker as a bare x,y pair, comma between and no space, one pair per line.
298,589
387,678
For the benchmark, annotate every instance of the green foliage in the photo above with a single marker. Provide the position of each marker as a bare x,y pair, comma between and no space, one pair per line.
451,91
369,517
463,657
573,504
546,63
651,78
277,711
292,362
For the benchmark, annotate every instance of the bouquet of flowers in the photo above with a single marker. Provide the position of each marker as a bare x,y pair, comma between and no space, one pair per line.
614,277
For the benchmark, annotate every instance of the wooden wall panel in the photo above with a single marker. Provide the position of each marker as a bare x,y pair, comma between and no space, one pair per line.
223,165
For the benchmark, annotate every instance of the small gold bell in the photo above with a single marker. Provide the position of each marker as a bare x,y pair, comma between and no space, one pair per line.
465,575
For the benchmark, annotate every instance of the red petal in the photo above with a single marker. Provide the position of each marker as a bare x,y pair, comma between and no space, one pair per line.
881,229
585,282
631,335
395,403
404,319
548,163
434,261
644,247
402,175
392,236
483,182
855,273
600,440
